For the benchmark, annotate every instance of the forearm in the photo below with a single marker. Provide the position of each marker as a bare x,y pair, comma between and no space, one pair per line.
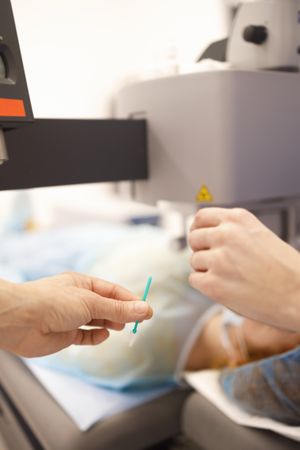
9,313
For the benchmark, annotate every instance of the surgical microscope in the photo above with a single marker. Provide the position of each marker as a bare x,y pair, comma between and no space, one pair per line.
221,137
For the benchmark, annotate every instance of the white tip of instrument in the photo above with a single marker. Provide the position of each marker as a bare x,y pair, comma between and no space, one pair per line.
132,339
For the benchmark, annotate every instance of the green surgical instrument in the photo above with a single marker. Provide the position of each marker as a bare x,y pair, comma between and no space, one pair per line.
134,329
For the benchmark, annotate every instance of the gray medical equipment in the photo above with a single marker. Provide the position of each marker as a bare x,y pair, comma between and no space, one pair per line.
236,132
266,35
225,137
233,134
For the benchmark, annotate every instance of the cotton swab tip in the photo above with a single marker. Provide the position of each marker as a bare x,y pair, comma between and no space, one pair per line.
132,339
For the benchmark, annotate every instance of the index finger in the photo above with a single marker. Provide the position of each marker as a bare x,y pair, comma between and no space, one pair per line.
209,217
111,290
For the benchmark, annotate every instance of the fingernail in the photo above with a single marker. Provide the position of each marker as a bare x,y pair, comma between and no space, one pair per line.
141,307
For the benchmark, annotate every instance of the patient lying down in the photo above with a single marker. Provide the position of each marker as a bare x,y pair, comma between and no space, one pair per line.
186,332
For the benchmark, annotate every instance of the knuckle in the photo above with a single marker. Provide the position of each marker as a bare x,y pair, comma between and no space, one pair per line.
239,215
120,311
198,219
191,239
210,287
193,280
219,261
192,260
210,283
68,274
223,234
114,292
196,238
89,307
204,283
198,214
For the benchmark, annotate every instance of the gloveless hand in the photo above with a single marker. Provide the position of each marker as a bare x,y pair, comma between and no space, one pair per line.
240,263
41,317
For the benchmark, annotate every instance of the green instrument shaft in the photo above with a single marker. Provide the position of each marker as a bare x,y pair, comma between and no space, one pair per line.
149,281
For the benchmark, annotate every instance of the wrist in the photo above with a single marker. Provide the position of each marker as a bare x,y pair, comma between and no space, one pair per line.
14,308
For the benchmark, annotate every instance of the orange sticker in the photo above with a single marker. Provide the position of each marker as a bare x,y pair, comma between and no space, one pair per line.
11,107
